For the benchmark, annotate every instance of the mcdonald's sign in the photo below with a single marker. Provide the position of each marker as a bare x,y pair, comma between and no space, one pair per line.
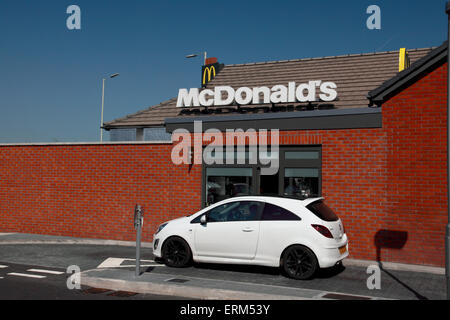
209,72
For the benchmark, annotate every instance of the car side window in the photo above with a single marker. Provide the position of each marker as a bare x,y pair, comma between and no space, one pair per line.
275,213
197,220
246,211
221,213
234,211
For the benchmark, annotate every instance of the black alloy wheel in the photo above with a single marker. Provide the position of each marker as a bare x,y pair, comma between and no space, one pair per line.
176,253
299,262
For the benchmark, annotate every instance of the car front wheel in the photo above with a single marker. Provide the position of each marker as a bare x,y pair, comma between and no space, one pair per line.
176,253
299,262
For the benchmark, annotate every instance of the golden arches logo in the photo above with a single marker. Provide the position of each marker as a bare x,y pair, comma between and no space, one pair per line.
211,70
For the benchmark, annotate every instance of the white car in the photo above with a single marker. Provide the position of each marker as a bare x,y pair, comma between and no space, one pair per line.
299,236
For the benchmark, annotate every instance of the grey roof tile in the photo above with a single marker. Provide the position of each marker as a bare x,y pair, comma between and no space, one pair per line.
354,74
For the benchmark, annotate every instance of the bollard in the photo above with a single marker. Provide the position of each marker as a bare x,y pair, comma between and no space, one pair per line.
138,222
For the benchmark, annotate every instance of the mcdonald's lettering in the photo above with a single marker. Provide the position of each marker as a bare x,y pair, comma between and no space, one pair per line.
226,95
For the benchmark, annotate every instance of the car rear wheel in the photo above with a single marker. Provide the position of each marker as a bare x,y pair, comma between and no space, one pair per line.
176,253
299,262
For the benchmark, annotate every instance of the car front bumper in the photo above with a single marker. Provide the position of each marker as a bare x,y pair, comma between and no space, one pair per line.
156,246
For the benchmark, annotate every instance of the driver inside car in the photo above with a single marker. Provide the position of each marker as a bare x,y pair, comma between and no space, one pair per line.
249,213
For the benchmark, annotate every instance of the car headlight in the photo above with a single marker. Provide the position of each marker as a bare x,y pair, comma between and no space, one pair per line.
161,227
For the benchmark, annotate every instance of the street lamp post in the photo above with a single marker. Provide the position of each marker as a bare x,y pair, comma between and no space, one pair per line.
103,104
447,234
196,55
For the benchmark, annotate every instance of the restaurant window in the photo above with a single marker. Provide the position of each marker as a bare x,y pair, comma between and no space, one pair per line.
156,134
299,175
128,134
224,183
301,182
301,155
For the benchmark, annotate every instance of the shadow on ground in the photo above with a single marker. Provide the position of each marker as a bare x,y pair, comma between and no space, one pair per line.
320,274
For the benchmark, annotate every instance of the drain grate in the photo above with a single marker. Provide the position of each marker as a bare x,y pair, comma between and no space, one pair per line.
338,296
177,280
122,294
95,290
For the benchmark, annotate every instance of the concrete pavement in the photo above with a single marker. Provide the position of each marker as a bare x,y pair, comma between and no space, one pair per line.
24,238
199,288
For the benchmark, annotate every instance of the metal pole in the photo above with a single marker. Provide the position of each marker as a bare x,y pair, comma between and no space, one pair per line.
138,225
447,234
204,60
138,252
103,104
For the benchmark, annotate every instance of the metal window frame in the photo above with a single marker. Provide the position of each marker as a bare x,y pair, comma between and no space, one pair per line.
291,163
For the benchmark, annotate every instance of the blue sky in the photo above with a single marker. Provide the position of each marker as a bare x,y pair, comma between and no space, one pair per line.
50,84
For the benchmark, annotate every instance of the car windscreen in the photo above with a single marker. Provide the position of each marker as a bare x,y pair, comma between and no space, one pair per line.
321,210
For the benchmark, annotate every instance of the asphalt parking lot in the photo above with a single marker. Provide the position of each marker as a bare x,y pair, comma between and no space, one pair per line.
351,280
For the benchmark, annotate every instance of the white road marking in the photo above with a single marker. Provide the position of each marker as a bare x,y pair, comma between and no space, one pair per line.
26,275
2,266
117,263
45,271
110,263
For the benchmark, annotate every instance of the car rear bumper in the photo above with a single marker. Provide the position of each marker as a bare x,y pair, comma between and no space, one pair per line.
329,257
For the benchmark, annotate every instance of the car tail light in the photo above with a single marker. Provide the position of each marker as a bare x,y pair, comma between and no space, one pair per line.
323,230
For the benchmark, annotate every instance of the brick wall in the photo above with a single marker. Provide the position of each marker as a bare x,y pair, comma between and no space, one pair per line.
388,184
91,190
415,123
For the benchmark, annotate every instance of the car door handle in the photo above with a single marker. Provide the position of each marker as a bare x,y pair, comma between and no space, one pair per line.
248,230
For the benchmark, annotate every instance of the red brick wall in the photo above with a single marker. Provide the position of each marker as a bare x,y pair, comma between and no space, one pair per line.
415,123
388,184
91,190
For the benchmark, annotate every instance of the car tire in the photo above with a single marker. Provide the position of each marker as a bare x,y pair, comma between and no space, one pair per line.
176,253
299,262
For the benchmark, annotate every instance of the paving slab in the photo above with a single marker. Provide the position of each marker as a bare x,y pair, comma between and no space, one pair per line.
25,238
198,288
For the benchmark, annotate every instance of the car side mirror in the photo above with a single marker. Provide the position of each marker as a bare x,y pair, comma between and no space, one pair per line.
203,219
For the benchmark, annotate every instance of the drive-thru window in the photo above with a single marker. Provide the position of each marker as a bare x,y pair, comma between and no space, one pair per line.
299,174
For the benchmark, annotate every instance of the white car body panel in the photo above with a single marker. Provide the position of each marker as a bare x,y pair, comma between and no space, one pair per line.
257,242
235,240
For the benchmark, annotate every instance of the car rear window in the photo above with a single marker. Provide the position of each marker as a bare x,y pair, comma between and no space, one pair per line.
321,210
275,213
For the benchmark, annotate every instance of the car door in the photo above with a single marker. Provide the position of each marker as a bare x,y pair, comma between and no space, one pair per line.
231,231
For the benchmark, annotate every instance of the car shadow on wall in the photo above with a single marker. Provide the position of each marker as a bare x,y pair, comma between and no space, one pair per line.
392,239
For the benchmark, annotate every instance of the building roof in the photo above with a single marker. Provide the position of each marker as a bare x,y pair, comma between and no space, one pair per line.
355,75
409,75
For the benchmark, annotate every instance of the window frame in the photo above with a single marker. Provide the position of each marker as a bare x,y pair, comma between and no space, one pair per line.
283,163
